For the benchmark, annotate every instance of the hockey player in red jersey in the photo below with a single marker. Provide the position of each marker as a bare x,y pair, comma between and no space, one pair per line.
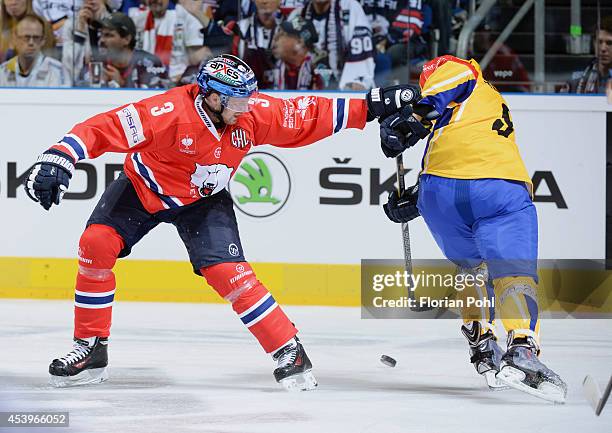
182,148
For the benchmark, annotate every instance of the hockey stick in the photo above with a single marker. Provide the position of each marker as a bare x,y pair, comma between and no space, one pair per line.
594,395
401,187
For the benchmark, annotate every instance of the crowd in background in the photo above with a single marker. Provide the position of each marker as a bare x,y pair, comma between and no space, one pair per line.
290,44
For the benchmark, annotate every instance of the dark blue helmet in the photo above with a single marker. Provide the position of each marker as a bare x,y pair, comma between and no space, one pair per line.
227,75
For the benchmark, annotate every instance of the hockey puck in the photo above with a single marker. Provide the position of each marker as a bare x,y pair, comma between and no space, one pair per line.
388,361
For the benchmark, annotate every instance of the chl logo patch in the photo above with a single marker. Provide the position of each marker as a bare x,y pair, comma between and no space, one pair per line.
187,144
240,140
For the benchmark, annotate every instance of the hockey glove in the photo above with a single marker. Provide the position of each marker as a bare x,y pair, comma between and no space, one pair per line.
401,131
49,178
385,101
403,209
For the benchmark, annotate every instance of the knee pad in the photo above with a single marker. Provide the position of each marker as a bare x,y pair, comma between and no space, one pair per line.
99,248
230,280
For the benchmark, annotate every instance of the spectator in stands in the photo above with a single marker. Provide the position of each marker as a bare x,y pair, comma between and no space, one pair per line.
404,42
394,22
124,66
201,10
598,74
30,67
505,70
175,36
288,6
58,12
253,44
442,21
11,11
295,68
81,38
345,37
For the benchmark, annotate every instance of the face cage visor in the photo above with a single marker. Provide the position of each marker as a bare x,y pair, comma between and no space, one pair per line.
239,104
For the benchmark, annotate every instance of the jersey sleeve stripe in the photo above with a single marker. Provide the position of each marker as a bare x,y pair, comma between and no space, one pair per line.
451,80
339,114
63,147
346,115
464,103
70,141
80,142
440,101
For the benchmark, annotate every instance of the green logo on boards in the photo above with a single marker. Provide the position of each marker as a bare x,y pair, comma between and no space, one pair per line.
261,185
258,182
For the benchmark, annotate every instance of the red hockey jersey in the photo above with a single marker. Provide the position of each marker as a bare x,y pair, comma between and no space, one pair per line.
176,156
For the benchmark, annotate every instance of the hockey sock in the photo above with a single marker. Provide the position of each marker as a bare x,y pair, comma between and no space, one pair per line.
517,301
475,285
95,284
255,306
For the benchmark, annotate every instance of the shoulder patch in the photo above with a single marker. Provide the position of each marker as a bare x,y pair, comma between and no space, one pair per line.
132,126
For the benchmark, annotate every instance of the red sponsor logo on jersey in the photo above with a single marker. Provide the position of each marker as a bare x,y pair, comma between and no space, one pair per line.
187,144
240,139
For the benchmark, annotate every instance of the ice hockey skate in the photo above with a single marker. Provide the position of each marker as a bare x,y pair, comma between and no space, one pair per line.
85,364
521,369
485,353
294,367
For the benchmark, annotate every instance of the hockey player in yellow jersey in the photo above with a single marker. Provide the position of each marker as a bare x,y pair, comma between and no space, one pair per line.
474,194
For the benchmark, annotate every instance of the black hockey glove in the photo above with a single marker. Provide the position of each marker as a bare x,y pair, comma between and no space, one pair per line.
403,209
49,178
401,131
385,101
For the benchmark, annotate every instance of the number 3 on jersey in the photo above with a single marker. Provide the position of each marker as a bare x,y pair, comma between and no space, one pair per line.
166,108
505,121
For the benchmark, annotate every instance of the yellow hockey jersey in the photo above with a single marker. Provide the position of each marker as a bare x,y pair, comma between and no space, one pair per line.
474,136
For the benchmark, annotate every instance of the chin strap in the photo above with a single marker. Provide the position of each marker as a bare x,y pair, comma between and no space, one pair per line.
220,124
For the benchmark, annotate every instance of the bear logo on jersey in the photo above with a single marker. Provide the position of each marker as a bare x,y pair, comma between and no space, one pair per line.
210,179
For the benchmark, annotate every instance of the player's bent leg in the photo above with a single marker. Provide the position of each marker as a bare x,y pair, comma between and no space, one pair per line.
479,322
520,366
264,318
87,363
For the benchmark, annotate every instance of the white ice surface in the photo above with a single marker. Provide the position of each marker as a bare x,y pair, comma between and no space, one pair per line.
194,368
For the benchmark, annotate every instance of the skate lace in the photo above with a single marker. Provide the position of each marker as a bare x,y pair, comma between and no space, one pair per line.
287,357
79,351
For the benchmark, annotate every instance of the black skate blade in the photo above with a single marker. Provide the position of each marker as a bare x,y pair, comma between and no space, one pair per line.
299,382
514,378
86,377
